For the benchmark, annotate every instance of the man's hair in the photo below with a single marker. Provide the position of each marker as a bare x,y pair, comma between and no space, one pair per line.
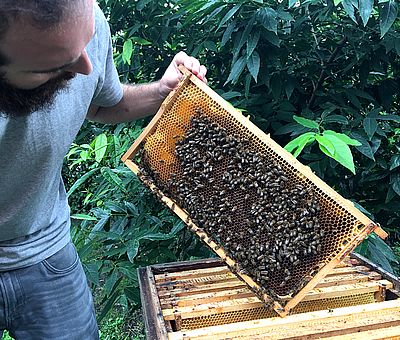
40,13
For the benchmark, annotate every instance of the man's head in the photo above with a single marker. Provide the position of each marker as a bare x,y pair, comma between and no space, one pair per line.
42,46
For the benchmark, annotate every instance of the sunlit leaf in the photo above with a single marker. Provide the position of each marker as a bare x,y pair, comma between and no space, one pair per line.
346,139
127,51
83,217
297,145
326,144
306,122
100,147
342,152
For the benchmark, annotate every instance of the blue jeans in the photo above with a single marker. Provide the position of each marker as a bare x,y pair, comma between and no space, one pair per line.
49,300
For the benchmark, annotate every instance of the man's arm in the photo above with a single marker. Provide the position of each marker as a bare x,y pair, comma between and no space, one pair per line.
139,101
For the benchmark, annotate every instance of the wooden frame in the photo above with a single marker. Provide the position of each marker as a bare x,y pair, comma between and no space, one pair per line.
368,225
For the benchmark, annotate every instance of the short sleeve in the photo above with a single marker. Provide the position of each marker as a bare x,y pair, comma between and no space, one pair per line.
109,89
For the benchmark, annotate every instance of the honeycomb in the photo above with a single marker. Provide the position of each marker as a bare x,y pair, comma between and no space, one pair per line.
334,224
262,312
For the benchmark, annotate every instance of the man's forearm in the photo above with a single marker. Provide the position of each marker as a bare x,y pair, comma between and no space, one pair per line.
138,101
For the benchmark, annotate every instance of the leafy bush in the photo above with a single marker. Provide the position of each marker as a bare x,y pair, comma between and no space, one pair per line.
300,69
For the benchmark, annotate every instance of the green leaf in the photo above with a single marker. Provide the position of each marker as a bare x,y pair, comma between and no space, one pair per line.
157,237
243,39
337,2
228,33
237,70
229,15
292,3
140,41
394,162
342,152
336,119
252,43
80,181
326,144
395,181
253,64
127,50
83,217
110,302
133,249
99,226
210,45
370,125
231,94
365,8
92,272
100,147
267,17
300,142
177,227
112,178
276,86
346,139
272,38
290,85
387,16
306,122
349,8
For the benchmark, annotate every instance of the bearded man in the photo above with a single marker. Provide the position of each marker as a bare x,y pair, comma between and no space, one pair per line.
56,70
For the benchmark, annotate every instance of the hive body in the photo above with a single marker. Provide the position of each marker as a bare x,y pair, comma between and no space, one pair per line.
278,226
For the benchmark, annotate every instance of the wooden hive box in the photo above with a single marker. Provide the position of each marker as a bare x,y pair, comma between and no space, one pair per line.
293,260
203,300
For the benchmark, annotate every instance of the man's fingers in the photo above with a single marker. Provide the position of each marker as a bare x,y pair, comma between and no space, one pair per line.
192,64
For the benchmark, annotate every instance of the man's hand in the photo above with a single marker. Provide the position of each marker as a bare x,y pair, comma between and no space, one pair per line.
143,100
172,75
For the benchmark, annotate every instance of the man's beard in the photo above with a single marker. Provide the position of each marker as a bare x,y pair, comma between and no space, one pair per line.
15,102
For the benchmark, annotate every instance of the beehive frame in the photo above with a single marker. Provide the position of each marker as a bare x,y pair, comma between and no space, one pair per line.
196,299
360,226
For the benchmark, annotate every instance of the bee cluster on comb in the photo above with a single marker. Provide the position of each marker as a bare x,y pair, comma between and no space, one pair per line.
246,204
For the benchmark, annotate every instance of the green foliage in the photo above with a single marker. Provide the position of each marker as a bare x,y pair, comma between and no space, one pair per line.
333,67
7,336
117,224
322,77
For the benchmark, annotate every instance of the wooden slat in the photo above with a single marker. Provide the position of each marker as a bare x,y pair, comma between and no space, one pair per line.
388,333
210,307
170,276
304,325
155,325
176,296
346,270
218,283
209,297
189,274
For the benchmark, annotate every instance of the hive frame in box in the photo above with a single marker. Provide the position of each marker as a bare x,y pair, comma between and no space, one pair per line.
367,226
173,280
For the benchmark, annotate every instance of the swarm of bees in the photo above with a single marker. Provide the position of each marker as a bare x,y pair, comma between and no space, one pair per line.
246,204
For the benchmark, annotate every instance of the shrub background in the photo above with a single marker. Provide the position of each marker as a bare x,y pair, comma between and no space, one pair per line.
335,63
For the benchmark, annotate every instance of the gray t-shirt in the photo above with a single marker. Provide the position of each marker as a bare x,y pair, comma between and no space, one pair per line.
34,212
